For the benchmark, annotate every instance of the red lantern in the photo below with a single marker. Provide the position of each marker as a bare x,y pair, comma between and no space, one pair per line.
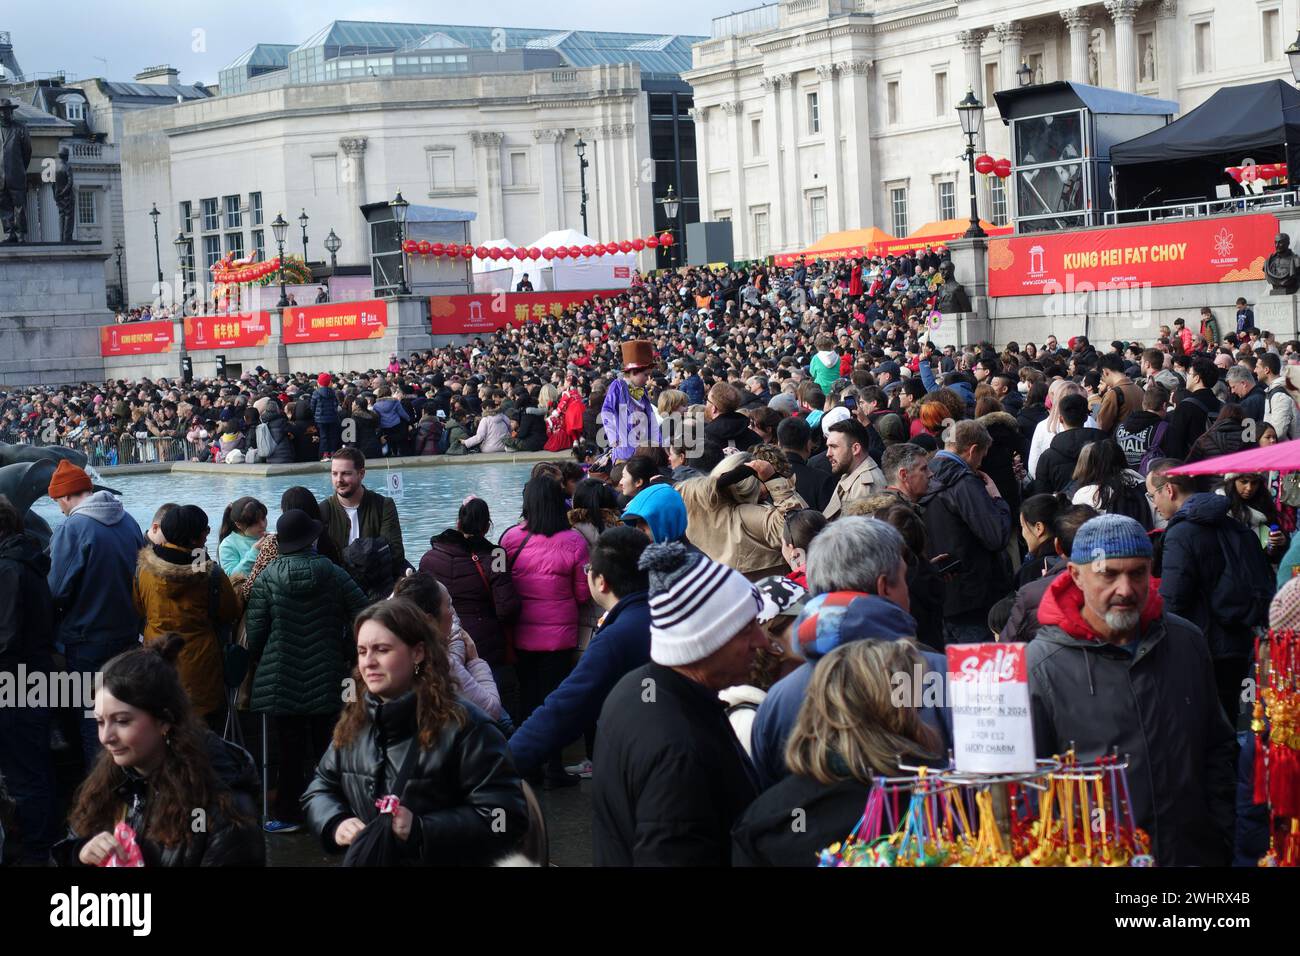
1267,171
481,252
588,250
638,244
625,246
984,164
548,253
467,251
652,242
560,253
452,249
534,253
423,247
409,246
574,252
598,249
666,239
494,254
1002,168
1234,172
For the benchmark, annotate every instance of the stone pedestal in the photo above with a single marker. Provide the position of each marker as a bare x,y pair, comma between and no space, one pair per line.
1279,314
52,303
961,328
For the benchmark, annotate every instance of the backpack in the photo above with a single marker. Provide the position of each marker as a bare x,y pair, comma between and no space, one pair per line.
1131,501
1155,450
1240,600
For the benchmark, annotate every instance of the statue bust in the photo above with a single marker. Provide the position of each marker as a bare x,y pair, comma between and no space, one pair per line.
65,195
15,154
951,296
1283,267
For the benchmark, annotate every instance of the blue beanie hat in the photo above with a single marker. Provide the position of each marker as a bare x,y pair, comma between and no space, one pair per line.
1110,536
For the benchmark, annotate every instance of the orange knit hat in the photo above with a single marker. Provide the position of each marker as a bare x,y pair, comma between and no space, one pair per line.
68,479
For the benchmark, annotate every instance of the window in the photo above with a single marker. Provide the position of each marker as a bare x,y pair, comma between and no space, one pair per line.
187,216
898,210
722,215
86,207
1147,57
891,102
761,239
235,244
814,115
211,216
442,170
1271,31
325,174
255,208
76,109
817,214
233,219
756,137
991,83
947,200
998,200
259,245
518,169
941,93
1202,44
211,250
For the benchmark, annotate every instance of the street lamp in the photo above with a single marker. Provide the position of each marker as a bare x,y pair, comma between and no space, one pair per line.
671,204
971,112
121,283
332,245
1293,57
581,147
302,221
399,207
157,251
280,229
1024,75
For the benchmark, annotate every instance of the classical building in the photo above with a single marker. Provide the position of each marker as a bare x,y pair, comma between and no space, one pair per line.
813,116
474,118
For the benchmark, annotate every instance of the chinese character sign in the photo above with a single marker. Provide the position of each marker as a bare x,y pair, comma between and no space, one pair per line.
335,322
488,312
245,330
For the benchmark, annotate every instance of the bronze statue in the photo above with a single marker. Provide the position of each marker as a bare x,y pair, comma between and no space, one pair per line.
65,196
15,155
951,296
1283,267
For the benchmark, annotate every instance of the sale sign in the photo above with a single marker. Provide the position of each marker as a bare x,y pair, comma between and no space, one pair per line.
1186,252
334,322
245,330
991,727
135,338
485,313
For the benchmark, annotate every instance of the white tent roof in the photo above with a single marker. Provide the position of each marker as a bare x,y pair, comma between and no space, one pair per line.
563,237
491,265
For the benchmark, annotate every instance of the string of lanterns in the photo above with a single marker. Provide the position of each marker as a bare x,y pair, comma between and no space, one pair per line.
986,165
454,250
1253,172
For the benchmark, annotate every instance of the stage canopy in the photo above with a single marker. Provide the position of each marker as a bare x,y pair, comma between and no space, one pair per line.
1185,160
1284,456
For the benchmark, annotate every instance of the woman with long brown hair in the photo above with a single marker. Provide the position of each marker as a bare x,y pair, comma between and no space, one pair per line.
459,799
161,773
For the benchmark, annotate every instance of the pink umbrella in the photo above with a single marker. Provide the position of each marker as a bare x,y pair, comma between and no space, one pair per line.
1284,456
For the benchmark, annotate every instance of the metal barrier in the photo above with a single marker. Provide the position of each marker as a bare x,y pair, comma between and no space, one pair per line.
111,450
1194,210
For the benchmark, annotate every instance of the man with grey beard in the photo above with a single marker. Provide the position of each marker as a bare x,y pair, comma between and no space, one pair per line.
1111,671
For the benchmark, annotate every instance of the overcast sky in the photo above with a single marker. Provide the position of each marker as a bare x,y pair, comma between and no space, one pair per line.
118,39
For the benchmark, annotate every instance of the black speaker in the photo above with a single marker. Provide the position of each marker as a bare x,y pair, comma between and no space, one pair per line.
221,365
187,370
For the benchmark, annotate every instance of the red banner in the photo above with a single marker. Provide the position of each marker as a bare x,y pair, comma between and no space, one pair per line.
487,312
1186,252
890,247
135,338
241,331
335,322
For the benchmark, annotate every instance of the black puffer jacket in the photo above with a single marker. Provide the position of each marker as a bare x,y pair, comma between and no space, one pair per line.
999,462
731,428
1055,468
531,435
466,797
281,449
482,591
222,842
26,608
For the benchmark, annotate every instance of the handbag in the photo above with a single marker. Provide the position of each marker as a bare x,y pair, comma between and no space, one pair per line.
234,657
376,844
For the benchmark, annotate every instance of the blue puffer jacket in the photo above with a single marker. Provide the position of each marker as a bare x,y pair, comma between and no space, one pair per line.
92,571
325,405
390,412
863,616
621,644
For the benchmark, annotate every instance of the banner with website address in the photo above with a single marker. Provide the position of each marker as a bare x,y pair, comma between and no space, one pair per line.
334,322
244,330
485,313
1186,252
135,338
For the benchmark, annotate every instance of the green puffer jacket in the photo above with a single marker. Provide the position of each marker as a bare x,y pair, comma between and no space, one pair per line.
299,621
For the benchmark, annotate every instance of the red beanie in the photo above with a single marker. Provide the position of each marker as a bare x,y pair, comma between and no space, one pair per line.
323,379
68,479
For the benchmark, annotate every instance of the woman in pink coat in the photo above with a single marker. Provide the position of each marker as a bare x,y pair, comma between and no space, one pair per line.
548,564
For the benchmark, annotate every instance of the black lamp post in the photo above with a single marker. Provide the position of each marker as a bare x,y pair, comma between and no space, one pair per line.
157,250
332,245
581,147
302,221
280,228
671,205
180,243
1293,57
971,112
1024,75
399,207
121,283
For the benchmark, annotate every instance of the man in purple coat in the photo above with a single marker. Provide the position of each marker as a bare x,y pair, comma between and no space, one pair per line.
628,415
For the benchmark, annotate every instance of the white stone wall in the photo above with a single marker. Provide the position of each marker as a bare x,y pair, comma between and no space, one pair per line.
850,58
51,308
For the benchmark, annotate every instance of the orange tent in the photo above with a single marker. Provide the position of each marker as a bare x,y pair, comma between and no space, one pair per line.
849,244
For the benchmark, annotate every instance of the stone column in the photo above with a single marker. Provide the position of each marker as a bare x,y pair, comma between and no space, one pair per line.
1124,12
356,232
487,170
972,41
1078,22
1010,35
47,229
772,144
830,119
742,229
1167,49
700,117
795,219
859,167
552,182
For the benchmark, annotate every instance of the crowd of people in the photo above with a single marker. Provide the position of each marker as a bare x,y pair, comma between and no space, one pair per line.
779,494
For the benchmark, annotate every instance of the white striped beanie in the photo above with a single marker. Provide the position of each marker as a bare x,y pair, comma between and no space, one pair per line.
696,605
